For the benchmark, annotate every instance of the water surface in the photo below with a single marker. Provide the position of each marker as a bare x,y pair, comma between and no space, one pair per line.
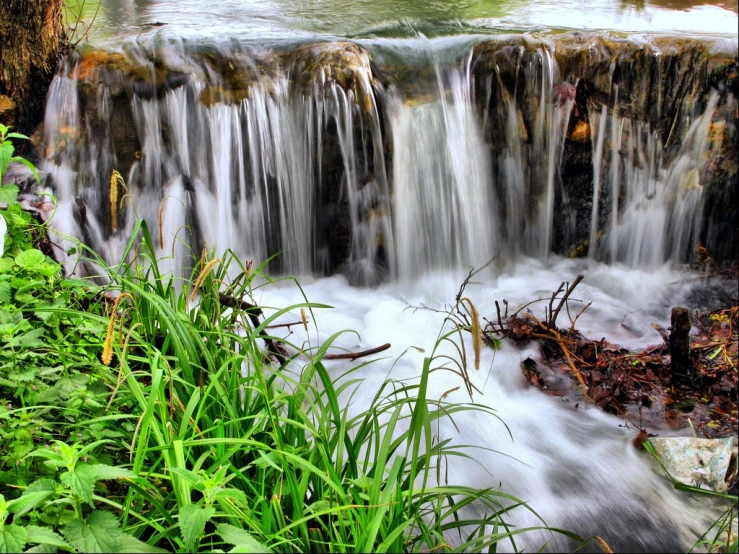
281,19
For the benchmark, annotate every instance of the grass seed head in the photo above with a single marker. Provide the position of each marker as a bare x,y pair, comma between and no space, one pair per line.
203,274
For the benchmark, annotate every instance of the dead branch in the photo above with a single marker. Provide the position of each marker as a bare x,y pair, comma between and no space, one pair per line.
470,275
572,327
355,355
554,336
282,325
551,322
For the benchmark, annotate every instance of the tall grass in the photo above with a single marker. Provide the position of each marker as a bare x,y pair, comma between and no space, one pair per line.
236,449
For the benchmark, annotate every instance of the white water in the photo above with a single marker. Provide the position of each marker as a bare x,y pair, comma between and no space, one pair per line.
250,176
575,465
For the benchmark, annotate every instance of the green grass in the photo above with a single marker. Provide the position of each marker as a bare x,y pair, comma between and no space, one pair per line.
194,438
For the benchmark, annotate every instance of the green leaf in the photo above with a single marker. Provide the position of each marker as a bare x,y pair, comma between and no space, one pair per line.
6,152
98,533
44,535
192,524
234,494
128,543
8,194
81,481
28,164
13,539
6,264
31,339
103,471
28,501
190,476
41,485
30,258
43,549
243,540
5,292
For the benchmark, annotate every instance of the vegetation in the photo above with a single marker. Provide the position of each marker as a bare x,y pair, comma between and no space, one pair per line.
136,420
145,416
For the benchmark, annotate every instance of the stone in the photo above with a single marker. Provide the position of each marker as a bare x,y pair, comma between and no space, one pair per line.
580,132
7,110
704,463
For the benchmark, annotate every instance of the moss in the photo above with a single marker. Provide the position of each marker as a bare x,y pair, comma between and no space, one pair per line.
343,63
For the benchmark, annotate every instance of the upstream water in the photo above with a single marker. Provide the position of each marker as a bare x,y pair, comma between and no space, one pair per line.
381,195
121,19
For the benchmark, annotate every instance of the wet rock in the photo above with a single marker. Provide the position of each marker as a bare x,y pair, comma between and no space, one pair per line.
7,110
580,132
232,76
705,463
343,63
127,74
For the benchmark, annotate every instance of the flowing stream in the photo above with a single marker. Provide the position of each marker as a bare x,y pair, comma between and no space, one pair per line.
381,194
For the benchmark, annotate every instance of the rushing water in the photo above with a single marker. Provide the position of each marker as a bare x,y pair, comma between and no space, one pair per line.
393,183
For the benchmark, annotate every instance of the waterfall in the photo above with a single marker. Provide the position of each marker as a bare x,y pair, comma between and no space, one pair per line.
442,189
319,156
656,204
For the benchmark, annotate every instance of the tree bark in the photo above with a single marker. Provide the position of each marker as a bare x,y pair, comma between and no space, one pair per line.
31,42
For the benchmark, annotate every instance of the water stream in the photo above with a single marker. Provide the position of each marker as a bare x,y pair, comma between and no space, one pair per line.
392,183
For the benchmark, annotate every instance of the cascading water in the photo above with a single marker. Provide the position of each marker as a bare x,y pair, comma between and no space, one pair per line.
303,169
662,201
441,181
320,153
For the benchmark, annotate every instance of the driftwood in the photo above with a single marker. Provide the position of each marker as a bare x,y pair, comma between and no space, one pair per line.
255,312
355,355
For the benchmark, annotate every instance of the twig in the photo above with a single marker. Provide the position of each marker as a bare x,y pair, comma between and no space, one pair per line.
628,314
572,327
553,317
548,316
553,335
470,275
355,355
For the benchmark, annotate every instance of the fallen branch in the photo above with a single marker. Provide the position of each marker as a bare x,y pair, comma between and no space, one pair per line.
552,335
355,355
281,325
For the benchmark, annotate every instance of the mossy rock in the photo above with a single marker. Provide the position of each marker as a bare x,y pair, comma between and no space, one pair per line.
237,77
345,64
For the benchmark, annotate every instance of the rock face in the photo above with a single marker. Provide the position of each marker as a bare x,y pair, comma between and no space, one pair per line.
659,87
294,147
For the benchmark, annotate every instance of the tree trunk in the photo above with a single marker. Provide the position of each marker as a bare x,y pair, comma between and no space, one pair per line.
31,41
